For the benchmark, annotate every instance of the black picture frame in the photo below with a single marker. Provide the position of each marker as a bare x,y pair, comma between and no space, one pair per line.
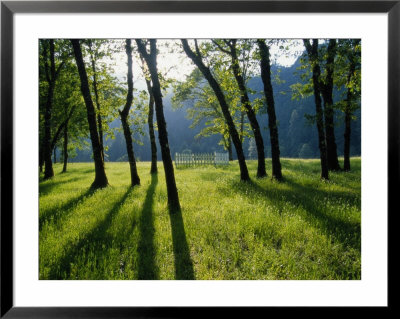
9,8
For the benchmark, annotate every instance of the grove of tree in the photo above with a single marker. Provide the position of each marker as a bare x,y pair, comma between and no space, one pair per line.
232,96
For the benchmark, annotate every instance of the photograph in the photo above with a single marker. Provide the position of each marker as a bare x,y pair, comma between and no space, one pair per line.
199,158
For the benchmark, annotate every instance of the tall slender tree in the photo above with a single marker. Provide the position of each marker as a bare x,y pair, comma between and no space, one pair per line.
327,94
69,116
349,61
65,140
198,61
150,121
232,51
312,52
100,174
269,97
151,61
150,117
135,180
347,121
93,61
65,149
51,73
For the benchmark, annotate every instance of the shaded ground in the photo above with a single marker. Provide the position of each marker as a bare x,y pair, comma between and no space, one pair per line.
301,228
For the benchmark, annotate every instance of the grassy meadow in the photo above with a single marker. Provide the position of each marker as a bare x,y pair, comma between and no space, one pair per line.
301,228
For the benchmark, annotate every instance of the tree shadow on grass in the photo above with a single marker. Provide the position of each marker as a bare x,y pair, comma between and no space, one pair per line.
347,232
321,193
146,251
96,241
183,262
55,214
46,188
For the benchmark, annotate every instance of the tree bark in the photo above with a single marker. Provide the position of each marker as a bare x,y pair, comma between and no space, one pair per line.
241,132
347,133
228,145
327,94
65,146
153,145
269,97
100,174
151,61
244,98
229,148
50,76
41,157
60,128
197,60
312,51
347,120
97,101
135,180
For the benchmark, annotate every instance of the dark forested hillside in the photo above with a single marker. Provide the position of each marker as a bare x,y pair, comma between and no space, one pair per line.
297,136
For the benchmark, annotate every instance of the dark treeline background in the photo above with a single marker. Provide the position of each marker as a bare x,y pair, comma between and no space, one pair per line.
297,138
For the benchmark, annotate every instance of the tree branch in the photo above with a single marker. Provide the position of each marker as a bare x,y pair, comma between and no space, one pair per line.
60,128
307,45
197,48
142,48
58,70
46,62
220,47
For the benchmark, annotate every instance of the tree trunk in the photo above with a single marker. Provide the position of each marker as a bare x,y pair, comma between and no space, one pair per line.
197,60
347,133
229,147
51,77
135,180
347,120
100,174
269,97
153,145
41,157
241,132
48,165
96,94
312,51
65,145
244,98
151,61
327,94
55,153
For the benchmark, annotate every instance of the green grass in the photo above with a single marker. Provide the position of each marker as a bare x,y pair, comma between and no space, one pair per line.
301,228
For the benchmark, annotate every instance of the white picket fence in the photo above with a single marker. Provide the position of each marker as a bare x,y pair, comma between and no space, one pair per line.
185,160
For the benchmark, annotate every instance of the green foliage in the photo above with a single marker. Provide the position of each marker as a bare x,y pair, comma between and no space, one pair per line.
205,110
204,104
111,91
298,229
347,50
67,97
301,90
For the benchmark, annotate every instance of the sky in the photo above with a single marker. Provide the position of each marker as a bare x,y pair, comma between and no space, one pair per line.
171,60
